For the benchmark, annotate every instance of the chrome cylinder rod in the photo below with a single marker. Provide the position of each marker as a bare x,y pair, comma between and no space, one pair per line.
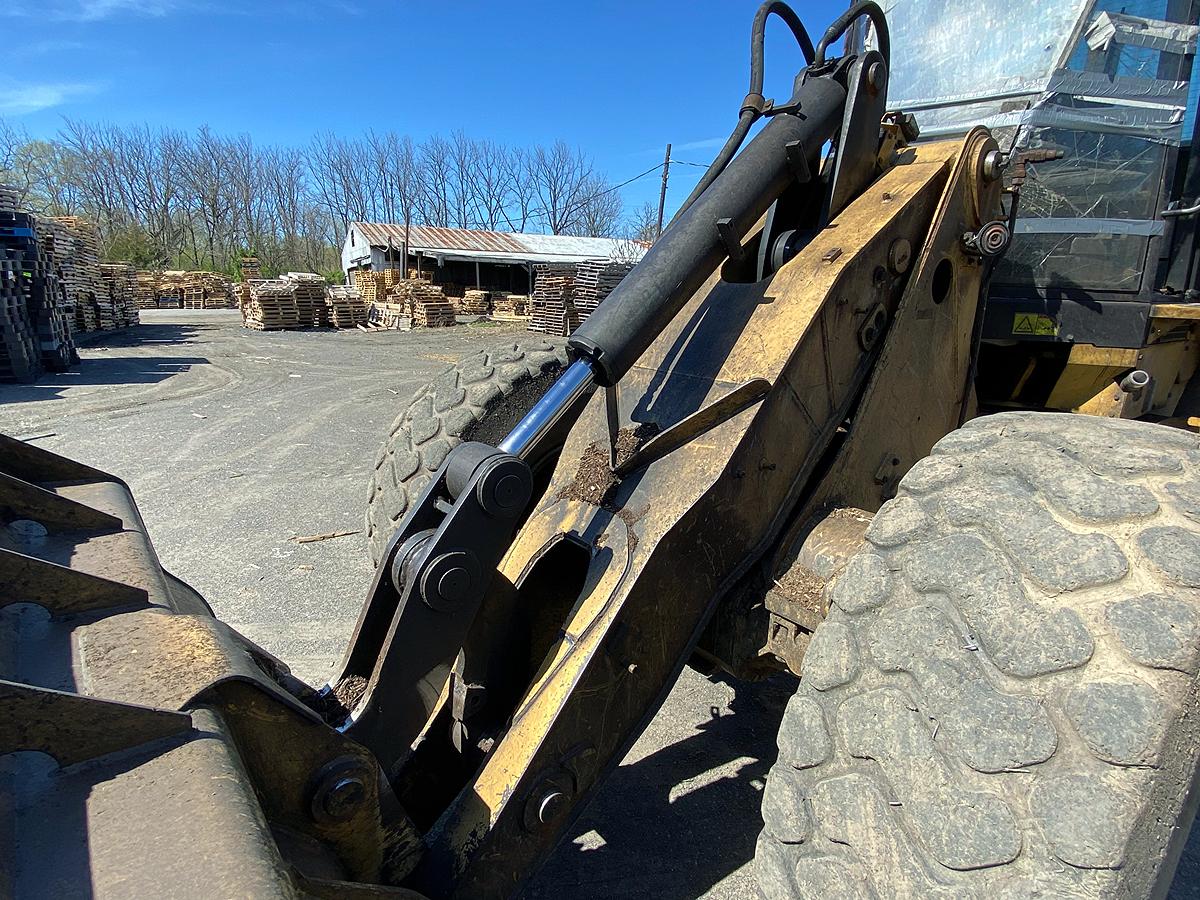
574,382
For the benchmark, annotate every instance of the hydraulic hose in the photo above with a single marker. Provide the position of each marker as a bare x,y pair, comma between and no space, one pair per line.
754,103
841,23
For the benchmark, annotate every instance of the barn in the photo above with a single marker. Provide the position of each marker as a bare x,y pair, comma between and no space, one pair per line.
499,260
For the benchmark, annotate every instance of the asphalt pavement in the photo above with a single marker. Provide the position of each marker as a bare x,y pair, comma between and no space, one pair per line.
235,442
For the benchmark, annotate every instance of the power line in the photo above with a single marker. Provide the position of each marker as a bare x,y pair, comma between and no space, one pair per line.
684,162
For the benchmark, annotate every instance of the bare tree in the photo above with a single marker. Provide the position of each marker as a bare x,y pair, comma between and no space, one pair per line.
200,199
599,209
643,223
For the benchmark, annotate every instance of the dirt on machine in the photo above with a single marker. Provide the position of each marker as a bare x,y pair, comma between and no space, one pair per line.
884,407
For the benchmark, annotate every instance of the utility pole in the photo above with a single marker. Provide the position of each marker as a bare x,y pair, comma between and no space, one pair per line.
662,194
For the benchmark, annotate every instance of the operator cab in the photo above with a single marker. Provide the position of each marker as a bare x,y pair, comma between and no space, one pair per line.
1101,278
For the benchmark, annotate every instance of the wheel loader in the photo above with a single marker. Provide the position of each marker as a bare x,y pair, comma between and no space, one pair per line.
762,452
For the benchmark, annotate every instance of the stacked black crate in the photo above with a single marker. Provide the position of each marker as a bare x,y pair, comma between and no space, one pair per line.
34,330
48,304
20,356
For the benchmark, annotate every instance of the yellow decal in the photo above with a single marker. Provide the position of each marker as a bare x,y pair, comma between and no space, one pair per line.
1034,323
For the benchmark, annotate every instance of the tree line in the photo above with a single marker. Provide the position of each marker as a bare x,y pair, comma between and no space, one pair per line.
198,200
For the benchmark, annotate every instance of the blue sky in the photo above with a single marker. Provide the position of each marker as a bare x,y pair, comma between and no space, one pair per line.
618,79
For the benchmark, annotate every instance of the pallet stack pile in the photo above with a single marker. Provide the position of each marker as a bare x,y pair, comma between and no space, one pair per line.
77,252
509,307
344,307
145,293
10,198
169,292
116,306
476,303
367,283
251,268
35,329
430,308
206,290
272,306
20,356
241,295
552,310
310,297
595,280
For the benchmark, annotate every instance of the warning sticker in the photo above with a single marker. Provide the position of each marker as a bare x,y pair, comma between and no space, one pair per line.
1035,324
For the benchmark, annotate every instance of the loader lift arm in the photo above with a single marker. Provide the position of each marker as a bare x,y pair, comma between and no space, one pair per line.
496,673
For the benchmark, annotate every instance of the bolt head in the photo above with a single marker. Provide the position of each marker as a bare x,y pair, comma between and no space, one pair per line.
877,77
899,256
508,491
340,795
552,803
993,165
454,584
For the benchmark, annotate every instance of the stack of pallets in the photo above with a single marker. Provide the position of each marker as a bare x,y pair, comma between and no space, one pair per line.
205,290
35,330
345,308
78,262
476,302
20,356
595,280
430,308
10,198
145,293
251,268
169,292
310,297
272,306
241,295
509,307
552,308
117,305
367,283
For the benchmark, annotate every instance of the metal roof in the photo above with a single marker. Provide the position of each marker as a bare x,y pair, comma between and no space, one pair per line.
504,246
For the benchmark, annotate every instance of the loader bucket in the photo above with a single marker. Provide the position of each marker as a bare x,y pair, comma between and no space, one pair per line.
147,749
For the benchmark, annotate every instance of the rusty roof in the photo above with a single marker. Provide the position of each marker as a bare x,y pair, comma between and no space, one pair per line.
428,237
494,244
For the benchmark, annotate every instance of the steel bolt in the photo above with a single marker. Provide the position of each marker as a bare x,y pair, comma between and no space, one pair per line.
453,585
877,77
899,256
993,165
552,803
508,491
344,797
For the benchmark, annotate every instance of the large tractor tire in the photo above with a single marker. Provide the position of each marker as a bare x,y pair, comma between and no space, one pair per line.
480,399
1003,699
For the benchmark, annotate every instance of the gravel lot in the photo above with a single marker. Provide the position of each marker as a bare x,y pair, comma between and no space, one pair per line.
235,441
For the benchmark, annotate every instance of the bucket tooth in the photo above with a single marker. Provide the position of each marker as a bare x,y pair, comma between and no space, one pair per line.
73,729
60,590
21,500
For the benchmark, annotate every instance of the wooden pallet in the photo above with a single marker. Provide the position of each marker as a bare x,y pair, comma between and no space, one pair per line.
595,279
551,306
272,306
345,307
476,303
430,308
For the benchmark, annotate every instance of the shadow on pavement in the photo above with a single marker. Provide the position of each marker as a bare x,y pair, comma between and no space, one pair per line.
98,368
146,333
672,826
